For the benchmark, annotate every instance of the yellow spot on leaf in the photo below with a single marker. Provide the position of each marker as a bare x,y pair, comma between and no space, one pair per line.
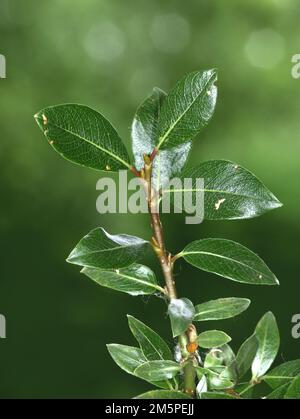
218,204
107,167
45,120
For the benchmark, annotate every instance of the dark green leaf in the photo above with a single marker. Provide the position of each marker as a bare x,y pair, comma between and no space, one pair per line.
167,163
245,355
230,260
283,374
157,370
83,136
181,312
212,339
134,280
293,391
187,109
245,390
216,395
152,345
162,394
278,393
99,249
267,334
230,191
223,308
127,358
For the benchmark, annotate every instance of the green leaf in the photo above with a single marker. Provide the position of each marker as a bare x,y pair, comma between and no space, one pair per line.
167,163
245,390
293,392
212,339
127,358
152,345
216,395
278,393
283,374
230,260
181,312
157,370
217,382
267,334
230,191
187,109
134,280
162,394
223,308
201,386
99,249
245,355
83,136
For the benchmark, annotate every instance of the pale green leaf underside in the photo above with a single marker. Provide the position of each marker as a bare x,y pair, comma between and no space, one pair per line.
82,135
99,249
181,312
223,308
187,109
135,280
228,259
212,339
267,334
162,394
126,357
152,345
129,358
230,191
245,355
157,370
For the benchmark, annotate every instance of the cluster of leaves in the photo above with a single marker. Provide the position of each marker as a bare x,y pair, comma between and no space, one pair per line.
163,129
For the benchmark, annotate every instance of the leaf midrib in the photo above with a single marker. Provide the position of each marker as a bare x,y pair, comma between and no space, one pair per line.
220,256
93,144
162,140
150,284
213,191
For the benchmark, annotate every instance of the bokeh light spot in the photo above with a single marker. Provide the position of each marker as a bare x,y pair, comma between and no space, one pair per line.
105,42
265,48
170,33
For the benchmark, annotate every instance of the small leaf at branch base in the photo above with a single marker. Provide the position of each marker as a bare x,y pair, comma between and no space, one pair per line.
181,312
212,339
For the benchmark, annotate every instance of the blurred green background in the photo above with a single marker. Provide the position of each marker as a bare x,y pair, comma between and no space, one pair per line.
108,55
